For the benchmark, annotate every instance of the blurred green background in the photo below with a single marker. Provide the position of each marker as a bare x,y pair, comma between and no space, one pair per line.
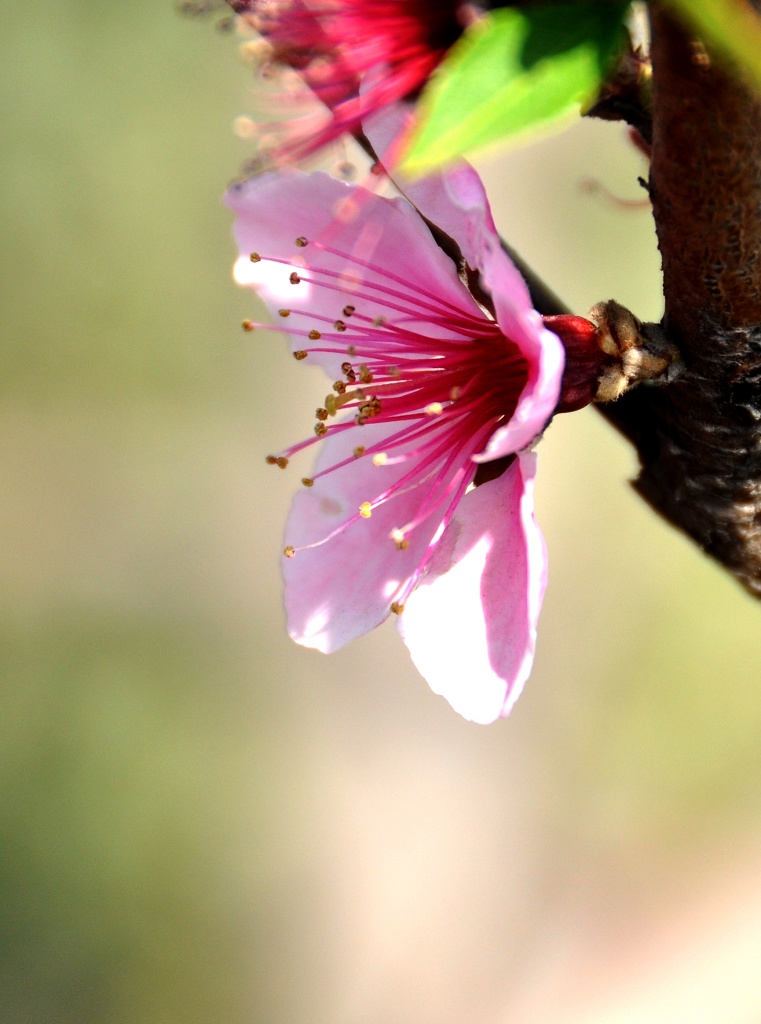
201,822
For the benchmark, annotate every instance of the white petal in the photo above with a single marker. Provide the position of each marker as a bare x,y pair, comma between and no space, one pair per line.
470,626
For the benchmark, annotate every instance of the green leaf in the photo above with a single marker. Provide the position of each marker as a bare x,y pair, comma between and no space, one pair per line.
514,71
732,26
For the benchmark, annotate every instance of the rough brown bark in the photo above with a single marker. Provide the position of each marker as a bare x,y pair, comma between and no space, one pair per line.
699,439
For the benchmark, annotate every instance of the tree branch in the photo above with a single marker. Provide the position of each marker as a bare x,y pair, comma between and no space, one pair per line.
699,439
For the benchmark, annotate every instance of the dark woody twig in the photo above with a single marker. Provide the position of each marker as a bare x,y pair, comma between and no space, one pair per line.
699,439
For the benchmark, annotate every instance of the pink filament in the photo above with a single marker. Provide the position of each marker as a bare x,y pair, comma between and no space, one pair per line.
447,383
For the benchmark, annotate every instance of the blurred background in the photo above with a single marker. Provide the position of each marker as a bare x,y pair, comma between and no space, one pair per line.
201,822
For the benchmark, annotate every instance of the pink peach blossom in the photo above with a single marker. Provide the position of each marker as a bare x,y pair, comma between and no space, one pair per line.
430,390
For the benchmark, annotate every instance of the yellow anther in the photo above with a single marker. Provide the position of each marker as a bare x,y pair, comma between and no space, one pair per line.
300,354
340,326
314,335
369,409
248,325
255,257
348,310
380,459
359,451
365,509
320,429
454,393
434,409
307,481
339,387
379,321
364,375
284,312
245,128
281,461
257,51
289,551
397,608
321,414
397,535
294,278
301,242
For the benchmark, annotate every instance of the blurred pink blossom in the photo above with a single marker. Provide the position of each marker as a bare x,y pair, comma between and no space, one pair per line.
391,47
436,391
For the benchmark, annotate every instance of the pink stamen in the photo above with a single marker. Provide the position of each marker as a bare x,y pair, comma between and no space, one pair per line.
448,390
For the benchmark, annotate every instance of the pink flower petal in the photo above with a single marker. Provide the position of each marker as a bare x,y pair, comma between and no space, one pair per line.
455,200
274,209
470,625
344,588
